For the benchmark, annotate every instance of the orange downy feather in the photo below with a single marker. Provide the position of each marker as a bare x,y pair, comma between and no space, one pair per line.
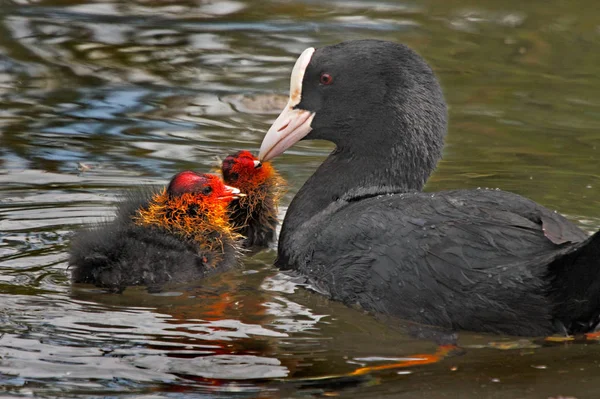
207,225
256,183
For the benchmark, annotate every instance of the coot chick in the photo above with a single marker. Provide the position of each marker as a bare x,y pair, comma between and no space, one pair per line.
362,231
179,234
255,214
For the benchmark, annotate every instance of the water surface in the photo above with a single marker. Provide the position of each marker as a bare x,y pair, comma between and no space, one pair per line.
98,96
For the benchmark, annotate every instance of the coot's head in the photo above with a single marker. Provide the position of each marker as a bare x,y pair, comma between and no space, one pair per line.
369,97
205,188
245,171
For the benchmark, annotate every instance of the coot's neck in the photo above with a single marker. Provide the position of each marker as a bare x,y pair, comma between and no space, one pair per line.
398,166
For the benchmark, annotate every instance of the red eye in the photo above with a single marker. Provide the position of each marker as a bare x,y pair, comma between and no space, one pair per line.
326,79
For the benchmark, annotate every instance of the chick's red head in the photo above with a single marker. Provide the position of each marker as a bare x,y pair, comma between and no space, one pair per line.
194,206
201,187
243,170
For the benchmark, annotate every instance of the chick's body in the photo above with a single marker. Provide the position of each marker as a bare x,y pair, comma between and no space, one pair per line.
255,214
179,234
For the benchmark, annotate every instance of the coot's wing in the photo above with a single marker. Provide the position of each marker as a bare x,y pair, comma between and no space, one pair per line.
462,259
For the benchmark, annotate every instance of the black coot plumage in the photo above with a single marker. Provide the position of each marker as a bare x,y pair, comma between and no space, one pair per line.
179,234
255,214
362,231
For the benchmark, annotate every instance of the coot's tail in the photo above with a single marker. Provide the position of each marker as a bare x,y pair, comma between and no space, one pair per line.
576,286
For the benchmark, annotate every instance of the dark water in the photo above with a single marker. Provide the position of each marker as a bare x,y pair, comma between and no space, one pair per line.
99,96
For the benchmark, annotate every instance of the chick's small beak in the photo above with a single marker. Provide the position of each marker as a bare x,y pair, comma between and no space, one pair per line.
231,193
257,164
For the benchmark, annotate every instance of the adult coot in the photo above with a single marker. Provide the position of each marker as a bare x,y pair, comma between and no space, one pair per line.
179,234
255,214
362,231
